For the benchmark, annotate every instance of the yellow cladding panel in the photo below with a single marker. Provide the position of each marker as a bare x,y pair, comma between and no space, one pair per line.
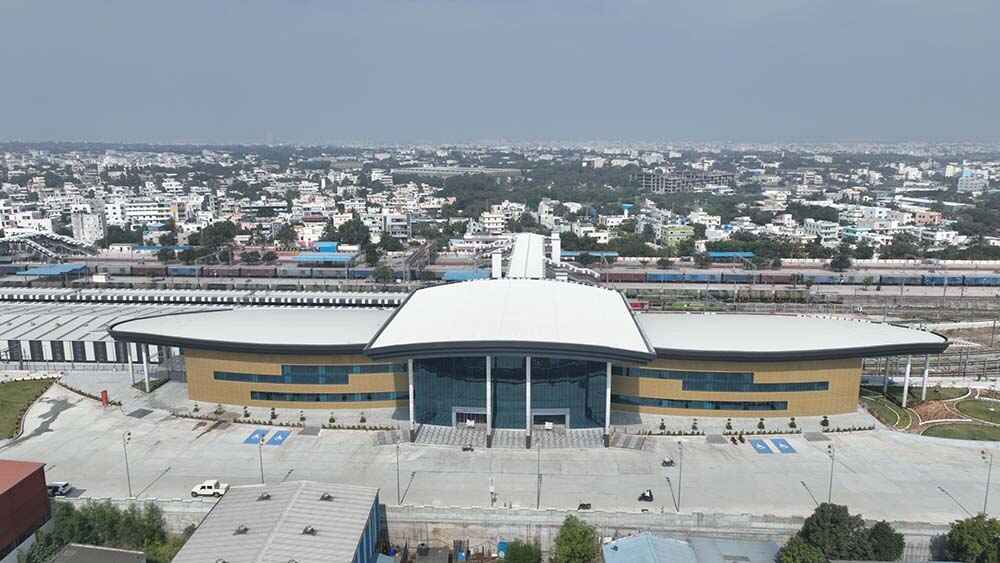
202,385
844,377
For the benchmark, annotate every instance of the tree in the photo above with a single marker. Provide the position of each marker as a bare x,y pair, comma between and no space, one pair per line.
887,544
586,259
215,235
840,263
168,238
371,254
353,231
286,236
383,274
798,550
269,257
330,232
250,257
837,533
521,552
390,244
165,255
969,539
576,542
664,263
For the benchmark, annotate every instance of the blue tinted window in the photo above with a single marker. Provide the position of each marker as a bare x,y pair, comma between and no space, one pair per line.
328,397
312,374
733,382
702,405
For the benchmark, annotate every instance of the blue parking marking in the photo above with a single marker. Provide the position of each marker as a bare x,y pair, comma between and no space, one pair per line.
783,445
760,446
278,438
256,437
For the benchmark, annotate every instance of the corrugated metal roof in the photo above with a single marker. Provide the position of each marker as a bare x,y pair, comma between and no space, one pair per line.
52,270
527,260
274,527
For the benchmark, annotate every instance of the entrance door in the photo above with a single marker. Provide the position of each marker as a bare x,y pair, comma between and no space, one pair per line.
462,418
556,419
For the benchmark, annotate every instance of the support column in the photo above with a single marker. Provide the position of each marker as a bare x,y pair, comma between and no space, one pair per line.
607,407
145,365
489,401
527,400
409,374
906,379
131,365
923,384
885,378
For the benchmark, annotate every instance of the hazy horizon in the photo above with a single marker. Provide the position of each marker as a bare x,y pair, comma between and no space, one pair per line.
310,72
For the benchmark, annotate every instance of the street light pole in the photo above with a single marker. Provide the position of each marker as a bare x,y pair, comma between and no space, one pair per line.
680,473
126,437
260,458
989,474
397,474
833,458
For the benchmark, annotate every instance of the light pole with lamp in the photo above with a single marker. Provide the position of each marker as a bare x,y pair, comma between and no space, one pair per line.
987,456
126,438
398,500
830,451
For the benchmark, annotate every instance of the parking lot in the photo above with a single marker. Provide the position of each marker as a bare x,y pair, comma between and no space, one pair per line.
881,474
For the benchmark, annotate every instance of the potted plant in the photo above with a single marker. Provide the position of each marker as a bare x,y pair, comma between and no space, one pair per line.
791,423
729,424
760,424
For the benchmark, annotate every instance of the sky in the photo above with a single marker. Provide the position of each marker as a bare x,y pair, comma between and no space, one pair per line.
436,71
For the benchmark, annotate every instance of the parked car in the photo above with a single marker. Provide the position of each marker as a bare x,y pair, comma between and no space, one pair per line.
210,488
59,488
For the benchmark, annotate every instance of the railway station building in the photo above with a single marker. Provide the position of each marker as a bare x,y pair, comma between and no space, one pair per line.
515,353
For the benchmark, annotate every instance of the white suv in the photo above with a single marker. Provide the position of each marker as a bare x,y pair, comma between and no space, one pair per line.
211,488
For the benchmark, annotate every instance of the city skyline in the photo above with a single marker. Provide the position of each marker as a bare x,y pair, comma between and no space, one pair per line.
352,73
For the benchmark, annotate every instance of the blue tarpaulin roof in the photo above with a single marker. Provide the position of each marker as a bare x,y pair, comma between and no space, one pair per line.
720,254
465,275
54,270
335,257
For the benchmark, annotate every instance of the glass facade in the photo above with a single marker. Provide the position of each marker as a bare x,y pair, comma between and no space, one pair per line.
312,374
732,382
701,405
441,385
570,391
328,397
575,385
508,391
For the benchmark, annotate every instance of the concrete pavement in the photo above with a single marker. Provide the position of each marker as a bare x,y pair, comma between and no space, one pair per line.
881,474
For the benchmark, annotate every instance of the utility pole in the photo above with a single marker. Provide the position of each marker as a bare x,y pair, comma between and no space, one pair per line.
680,473
126,438
989,473
260,457
538,490
833,457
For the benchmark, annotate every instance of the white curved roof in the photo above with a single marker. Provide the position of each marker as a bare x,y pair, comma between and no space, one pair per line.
725,336
513,316
260,329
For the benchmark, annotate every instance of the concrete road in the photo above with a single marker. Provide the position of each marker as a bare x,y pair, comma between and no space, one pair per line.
881,474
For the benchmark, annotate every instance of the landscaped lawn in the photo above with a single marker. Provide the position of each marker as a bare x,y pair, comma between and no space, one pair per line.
15,396
983,410
934,393
964,431
882,411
